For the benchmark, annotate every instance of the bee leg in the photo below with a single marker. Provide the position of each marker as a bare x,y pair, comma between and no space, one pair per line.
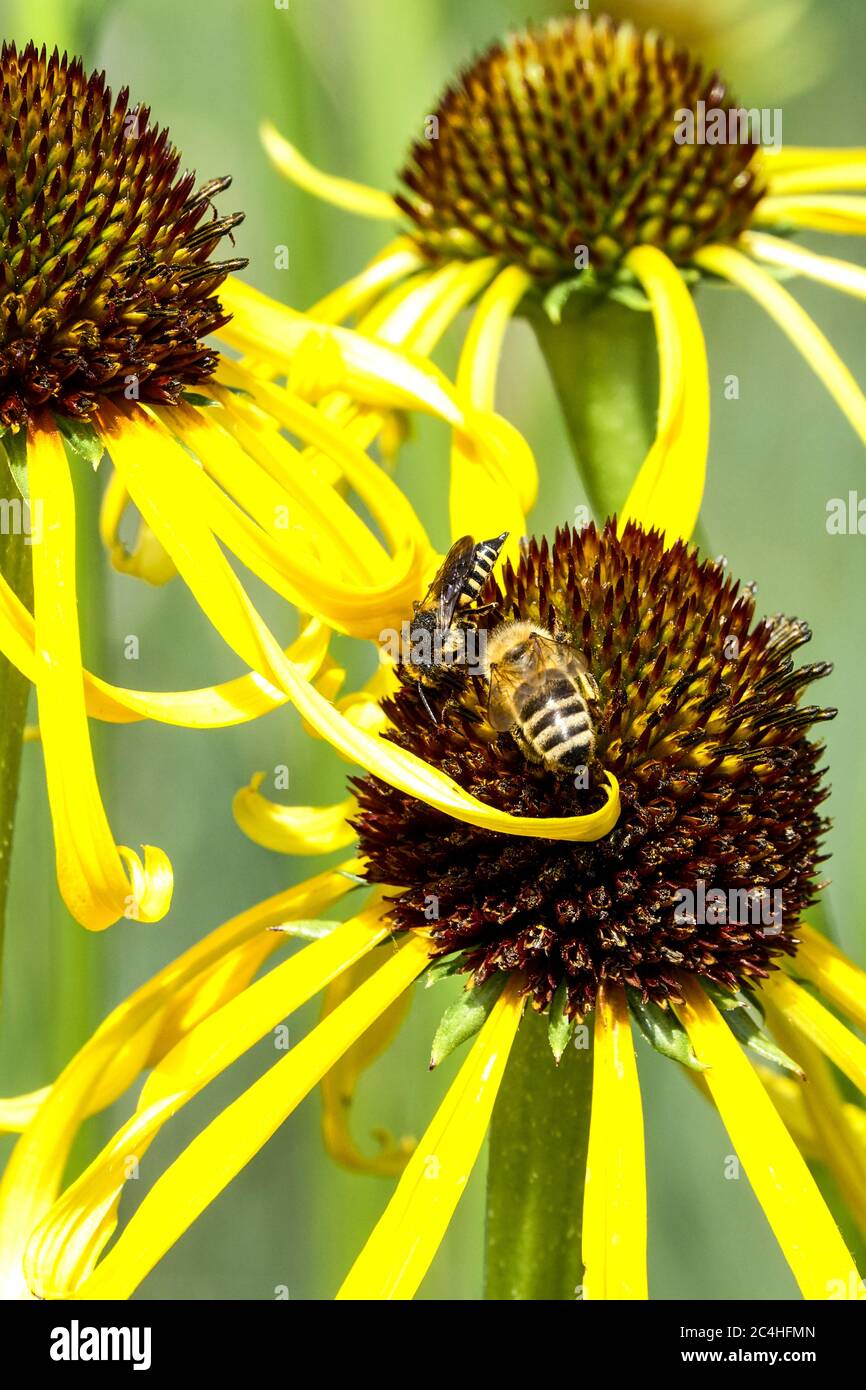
426,703
590,688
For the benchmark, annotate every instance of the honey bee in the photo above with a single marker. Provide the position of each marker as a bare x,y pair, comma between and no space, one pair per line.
436,644
541,690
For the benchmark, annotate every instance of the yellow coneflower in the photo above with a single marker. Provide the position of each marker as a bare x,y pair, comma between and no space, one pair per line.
575,173
699,718
110,289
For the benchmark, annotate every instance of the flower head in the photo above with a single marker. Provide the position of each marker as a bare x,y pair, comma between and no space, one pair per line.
564,137
699,717
108,276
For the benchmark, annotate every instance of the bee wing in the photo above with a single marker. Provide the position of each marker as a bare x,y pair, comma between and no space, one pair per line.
500,711
452,577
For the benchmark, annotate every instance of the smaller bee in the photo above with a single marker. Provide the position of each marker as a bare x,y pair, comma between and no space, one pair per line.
436,645
541,690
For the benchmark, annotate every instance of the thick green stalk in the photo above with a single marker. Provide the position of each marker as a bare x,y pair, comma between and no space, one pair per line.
16,568
536,1169
603,362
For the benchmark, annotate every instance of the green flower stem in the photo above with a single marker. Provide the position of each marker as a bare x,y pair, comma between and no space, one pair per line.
536,1169
603,362
16,568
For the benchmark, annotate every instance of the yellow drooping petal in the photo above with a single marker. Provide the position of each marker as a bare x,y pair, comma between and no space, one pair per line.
393,263
840,1144
819,1259
309,582
167,492
16,1112
336,358
339,1084
614,1200
491,489
292,829
827,270
795,323
669,488
811,157
820,212
135,1035
816,1023
212,707
342,193
832,177
407,1236
208,1164
65,1247
90,866
147,560
819,961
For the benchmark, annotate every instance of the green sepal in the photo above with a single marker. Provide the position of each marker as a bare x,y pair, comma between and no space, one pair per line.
83,441
663,1030
745,1020
559,1026
308,930
443,968
196,398
354,878
14,444
465,1017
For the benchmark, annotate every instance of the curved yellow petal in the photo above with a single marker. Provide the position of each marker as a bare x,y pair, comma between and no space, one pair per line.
816,1023
167,493
90,867
66,1245
292,829
839,1143
342,193
339,1084
827,270
402,1246
493,486
811,157
795,323
614,1201
780,1179
208,1164
212,707
669,488
16,1112
136,1034
393,263
831,177
820,212
336,358
147,560
819,961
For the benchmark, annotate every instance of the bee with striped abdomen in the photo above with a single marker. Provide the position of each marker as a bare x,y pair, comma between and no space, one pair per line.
542,691
438,629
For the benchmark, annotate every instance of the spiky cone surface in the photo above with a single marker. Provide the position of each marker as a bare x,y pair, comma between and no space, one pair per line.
700,721
563,136
107,282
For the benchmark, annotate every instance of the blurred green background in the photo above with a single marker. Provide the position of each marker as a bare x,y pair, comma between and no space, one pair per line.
351,82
